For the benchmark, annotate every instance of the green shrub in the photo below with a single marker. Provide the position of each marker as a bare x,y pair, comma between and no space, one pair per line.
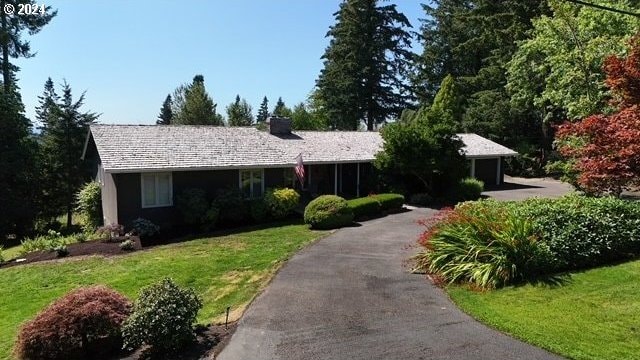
193,205
61,250
144,228
281,202
127,245
163,318
483,244
49,242
390,201
110,232
85,321
234,206
211,217
365,207
584,231
469,189
258,210
328,212
1,255
90,205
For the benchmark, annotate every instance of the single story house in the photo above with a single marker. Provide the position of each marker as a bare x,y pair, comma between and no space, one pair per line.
142,168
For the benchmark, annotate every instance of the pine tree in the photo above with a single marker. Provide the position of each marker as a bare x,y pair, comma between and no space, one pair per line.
281,110
263,112
166,113
12,27
365,65
239,113
18,168
194,106
64,132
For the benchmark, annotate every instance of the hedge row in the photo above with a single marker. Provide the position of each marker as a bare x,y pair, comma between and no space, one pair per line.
375,205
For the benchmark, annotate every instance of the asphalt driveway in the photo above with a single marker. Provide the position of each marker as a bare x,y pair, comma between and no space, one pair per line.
515,188
351,296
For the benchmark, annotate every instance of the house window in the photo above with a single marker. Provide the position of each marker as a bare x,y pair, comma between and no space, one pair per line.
157,190
252,183
289,177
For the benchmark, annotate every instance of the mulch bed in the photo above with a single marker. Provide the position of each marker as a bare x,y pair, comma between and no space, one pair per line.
93,247
210,340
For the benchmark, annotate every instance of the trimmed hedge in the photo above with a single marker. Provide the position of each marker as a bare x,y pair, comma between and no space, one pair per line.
328,212
469,189
364,207
389,201
83,324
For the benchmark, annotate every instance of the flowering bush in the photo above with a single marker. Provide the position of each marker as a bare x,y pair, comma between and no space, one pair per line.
82,324
145,228
110,232
281,202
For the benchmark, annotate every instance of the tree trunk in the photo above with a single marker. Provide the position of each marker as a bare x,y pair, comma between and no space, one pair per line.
6,70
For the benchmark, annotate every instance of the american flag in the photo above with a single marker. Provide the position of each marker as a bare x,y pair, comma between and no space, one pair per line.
300,169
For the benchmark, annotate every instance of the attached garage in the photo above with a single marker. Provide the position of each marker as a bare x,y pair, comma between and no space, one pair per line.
486,158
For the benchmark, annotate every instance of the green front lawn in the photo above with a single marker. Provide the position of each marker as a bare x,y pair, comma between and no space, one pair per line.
225,270
595,315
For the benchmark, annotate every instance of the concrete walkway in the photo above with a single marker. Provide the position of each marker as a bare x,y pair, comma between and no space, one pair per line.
351,296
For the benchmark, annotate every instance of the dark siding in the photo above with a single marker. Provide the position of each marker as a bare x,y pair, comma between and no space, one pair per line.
486,171
274,178
130,198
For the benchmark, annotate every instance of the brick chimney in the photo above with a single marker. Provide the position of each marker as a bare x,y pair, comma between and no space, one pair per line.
279,125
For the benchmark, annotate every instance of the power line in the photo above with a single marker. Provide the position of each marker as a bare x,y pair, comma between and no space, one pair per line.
602,7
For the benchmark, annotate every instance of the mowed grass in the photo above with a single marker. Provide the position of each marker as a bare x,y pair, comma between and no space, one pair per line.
594,315
225,270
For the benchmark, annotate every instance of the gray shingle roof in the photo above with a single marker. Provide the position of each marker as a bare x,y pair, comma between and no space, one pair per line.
133,148
477,146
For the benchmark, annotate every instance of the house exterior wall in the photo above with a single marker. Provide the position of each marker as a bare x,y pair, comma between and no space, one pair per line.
486,170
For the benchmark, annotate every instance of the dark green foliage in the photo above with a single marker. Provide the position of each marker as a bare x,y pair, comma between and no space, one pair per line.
328,212
258,210
234,209
304,119
281,202
144,228
469,189
281,110
239,113
64,131
389,201
365,207
12,30
162,317
583,231
19,181
193,205
83,324
192,105
365,65
89,205
166,113
423,149
263,111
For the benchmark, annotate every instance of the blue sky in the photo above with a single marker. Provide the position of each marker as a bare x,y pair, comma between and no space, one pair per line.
128,55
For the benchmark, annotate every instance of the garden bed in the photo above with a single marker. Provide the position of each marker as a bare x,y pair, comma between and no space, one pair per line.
93,247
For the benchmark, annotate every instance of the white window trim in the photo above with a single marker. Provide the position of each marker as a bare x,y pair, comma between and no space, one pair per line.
251,171
155,177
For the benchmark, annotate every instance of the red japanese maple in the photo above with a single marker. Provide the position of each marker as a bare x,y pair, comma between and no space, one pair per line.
608,159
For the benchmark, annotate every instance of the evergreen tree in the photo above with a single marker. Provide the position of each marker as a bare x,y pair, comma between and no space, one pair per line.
166,113
239,113
281,110
12,27
194,106
64,130
365,65
303,119
263,112
18,168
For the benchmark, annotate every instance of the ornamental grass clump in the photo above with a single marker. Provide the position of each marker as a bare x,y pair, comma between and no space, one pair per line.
482,244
